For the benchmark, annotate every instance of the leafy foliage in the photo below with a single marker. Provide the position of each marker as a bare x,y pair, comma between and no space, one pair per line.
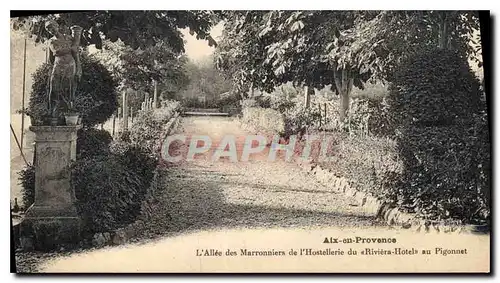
137,29
381,121
371,164
139,68
366,116
221,103
281,99
112,181
264,120
288,118
263,49
137,160
91,141
431,79
38,102
204,81
107,192
95,97
229,99
304,47
359,114
248,103
148,129
414,31
27,182
438,100
299,120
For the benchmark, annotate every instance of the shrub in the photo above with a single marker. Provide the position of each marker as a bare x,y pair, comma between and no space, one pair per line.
366,116
358,116
266,120
217,102
440,177
95,99
481,152
371,164
381,123
298,120
27,182
281,99
436,87
110,187
107,192
248,103
192,102
263,101
436,98
148,128
229,99
370,92
37,108
146,131
92,141
138,160
281,105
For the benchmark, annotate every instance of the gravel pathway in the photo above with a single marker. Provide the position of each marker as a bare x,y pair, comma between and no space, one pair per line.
257,193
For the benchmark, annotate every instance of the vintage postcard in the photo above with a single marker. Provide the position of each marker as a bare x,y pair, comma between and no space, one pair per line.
250,141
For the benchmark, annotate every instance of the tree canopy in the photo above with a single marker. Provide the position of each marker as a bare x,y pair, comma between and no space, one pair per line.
137,29
311,48
137,69
264,49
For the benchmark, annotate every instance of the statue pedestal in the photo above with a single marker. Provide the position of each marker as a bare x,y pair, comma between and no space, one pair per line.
52,220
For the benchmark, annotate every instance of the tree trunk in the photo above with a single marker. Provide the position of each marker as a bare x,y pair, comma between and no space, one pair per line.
155,94
443,32
307,97
125,111
343,83
146,99
344,105
250,95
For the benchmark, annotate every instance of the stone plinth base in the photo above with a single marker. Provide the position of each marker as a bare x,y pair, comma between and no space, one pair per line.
52,220
49,233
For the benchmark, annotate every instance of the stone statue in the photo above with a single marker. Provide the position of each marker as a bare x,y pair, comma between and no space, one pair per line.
66,71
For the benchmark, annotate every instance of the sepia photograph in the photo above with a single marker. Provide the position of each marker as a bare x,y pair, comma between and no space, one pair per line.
250,141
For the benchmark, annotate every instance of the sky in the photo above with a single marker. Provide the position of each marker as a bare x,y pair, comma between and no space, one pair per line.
198,50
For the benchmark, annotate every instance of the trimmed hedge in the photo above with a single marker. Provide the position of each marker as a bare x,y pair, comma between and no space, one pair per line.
147,131
436,87
107,192
277,115
95,98
435,105
91,142
27,182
